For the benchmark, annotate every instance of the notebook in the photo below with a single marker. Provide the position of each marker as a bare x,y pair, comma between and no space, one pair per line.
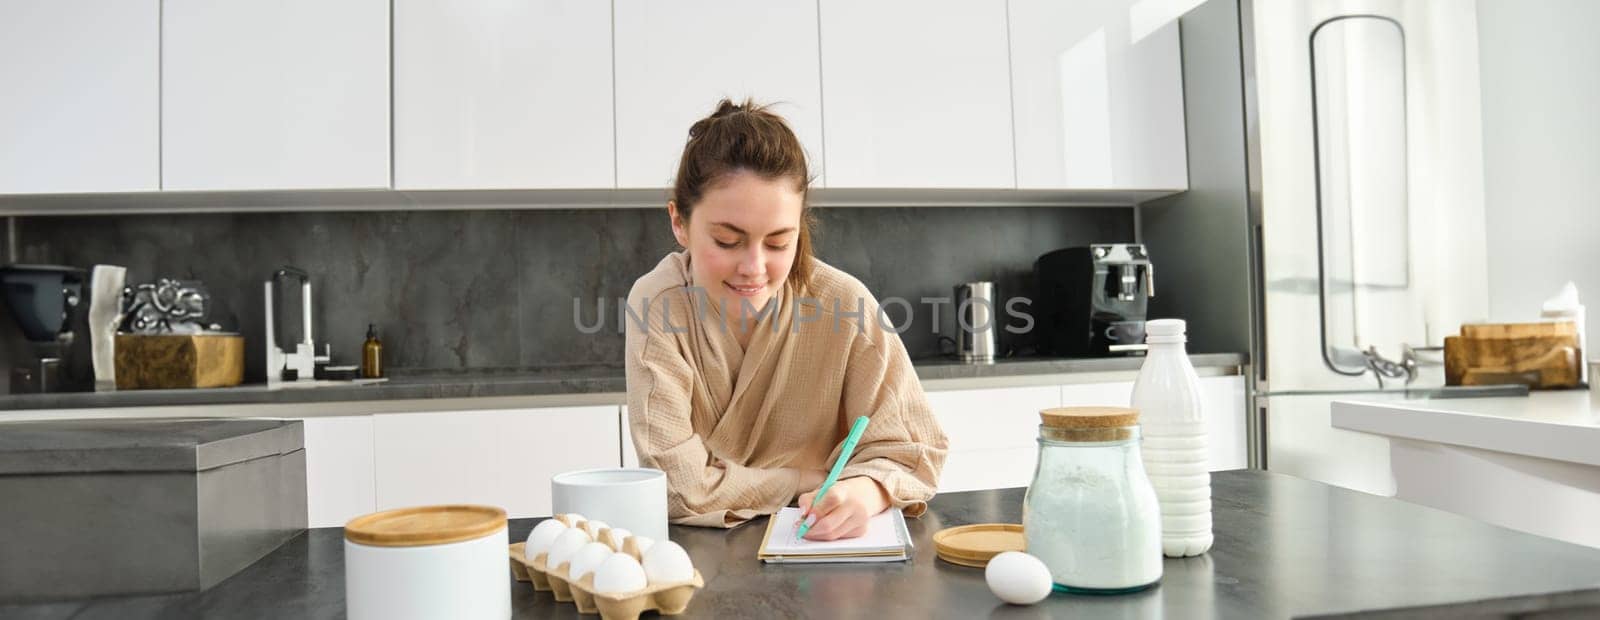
886,540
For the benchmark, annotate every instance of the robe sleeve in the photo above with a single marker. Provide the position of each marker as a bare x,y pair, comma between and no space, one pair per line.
699,492
903,447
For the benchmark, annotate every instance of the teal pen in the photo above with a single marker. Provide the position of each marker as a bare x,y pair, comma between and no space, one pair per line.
838,466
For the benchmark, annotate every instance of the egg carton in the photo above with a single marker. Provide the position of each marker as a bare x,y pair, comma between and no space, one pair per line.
668,599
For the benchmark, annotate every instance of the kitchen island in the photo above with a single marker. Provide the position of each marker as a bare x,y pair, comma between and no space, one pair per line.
1284,547
1529,463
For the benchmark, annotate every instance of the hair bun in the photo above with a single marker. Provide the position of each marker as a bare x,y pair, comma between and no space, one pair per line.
725,108
699,127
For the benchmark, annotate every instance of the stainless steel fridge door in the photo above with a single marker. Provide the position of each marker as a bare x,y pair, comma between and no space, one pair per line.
1371,192
1303,442
1365,150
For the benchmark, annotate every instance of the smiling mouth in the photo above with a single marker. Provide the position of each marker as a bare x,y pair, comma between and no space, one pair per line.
746,291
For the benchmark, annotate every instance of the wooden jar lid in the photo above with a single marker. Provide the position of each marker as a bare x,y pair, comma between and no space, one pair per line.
1089,417
425,525
974,545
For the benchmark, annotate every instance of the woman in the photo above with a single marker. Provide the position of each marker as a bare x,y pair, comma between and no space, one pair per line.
747,358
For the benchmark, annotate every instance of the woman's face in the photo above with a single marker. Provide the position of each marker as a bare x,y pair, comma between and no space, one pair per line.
741,239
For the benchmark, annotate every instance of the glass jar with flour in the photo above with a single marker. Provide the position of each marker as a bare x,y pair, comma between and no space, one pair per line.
1090,513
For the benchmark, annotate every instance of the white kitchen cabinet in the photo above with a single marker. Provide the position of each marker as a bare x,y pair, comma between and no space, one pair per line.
340,481
1097,89
80,110
1225,421
675,60
1115,394
993,432
503,95
275,95
500,457
916,94
1001,468
992,435
985,419
630,456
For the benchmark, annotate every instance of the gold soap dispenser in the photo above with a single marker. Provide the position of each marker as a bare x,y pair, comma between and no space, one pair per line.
372,354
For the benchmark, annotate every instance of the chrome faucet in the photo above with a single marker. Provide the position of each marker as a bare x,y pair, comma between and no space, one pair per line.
1409,365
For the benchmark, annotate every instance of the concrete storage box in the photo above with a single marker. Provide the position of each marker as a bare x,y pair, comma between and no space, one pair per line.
102,507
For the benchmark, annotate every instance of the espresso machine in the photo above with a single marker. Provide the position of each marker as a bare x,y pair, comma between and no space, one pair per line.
1092,299
291,353
47,302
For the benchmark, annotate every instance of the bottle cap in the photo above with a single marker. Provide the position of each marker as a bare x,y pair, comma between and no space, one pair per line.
1165,327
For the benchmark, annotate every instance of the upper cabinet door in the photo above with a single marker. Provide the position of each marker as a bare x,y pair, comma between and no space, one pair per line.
1098,88
502,95
675,60
79,109
916,94
289,94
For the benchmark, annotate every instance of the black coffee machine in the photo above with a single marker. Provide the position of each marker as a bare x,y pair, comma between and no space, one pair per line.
47,304
1092,299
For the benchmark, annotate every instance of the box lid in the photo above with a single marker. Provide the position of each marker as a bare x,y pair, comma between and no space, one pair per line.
130,445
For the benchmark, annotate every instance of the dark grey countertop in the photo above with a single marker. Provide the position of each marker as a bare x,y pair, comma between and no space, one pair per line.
1284,547
124,446
530,382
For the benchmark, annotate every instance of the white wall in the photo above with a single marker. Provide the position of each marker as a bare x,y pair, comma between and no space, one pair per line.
1540,68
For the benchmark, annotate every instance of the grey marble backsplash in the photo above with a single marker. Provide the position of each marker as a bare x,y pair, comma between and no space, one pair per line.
456,290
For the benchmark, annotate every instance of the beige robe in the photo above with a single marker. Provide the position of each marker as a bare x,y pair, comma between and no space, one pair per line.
732,428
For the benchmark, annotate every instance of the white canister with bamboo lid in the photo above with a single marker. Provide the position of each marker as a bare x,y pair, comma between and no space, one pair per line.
427,562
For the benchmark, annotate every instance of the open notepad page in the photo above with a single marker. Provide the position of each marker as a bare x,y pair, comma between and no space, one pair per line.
886,540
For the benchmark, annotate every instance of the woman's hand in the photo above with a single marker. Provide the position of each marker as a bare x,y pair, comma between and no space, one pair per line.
812,478
845,510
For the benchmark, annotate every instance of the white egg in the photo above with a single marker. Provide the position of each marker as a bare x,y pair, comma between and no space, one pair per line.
594,527
615,536
586,559
644,543
666,562
1018,578
567,544
619,573
540,538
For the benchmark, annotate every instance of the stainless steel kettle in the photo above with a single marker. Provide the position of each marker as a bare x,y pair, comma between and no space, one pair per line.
976,322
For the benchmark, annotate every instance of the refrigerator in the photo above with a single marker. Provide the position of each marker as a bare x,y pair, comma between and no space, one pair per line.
1363,145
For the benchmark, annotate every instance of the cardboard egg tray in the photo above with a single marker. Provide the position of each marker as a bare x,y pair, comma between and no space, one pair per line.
668,599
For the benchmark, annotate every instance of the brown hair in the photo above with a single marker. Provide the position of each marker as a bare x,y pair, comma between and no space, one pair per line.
746,137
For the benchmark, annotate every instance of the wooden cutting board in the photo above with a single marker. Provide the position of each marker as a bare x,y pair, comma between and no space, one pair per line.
1539,355
167,361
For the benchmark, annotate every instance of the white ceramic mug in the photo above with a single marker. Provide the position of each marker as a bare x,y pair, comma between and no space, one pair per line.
632,498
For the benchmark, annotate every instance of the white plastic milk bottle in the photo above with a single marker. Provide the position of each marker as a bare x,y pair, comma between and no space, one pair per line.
1167,395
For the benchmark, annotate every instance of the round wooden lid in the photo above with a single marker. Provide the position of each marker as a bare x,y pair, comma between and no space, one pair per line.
424,525
973,545
1089,417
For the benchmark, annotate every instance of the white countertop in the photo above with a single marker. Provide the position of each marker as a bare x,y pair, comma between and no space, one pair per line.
1557,425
